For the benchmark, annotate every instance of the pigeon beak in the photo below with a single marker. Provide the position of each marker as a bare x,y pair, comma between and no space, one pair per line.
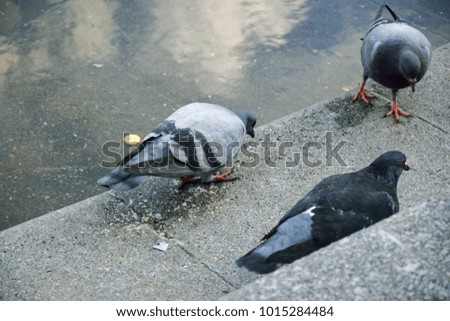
404,166
412,83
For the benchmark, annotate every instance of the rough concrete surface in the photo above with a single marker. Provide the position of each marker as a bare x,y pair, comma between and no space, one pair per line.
101,248
405,257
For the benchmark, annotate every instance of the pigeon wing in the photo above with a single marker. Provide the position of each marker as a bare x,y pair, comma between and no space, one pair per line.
344,212
164,128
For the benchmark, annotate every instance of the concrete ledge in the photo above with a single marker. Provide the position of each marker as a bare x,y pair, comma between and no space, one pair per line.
405,257
101,248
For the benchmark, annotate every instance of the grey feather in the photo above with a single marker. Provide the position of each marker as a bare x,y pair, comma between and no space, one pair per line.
196,140
336,207
296,229
393,52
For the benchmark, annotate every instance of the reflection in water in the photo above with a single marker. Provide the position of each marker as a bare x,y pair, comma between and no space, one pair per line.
9,20
86,29
93,29
272,57
39,58
10,17
213,35
8,57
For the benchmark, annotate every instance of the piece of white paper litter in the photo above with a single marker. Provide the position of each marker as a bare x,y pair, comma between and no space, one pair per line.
161,246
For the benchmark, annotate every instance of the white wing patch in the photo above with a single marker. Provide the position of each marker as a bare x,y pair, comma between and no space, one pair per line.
309,211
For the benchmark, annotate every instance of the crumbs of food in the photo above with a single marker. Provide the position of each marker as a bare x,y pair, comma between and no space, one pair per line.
131,139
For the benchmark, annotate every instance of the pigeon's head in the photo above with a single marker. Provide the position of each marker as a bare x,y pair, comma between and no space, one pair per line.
388,167
410,67
249,121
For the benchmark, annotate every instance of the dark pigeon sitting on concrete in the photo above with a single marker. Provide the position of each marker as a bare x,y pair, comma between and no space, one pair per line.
197,140
336,207
395,55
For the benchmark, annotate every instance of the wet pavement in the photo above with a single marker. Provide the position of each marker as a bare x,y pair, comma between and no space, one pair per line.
76,74
103,248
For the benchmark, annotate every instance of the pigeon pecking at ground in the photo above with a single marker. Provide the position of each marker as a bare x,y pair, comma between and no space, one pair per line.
395,55
197,140
336,207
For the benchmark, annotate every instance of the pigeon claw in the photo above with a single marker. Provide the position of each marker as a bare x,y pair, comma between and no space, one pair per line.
219,178
188,180
224,178
396,111
365,96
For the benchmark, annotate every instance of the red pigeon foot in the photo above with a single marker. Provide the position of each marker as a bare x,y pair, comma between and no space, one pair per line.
396,111
365,96
224,178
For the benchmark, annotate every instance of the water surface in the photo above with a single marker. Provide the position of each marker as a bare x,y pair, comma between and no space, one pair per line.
75,74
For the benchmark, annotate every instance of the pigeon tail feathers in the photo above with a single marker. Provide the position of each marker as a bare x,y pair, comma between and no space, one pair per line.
379,13
393,14
256,260
295,230
121,181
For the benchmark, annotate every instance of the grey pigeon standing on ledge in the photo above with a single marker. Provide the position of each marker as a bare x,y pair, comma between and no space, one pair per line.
395,55
197,140
336,207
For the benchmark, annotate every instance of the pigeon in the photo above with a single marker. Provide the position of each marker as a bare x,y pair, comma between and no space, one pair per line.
395,55
336,207
197,140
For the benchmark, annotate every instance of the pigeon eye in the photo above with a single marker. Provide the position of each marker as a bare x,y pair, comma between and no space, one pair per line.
404,166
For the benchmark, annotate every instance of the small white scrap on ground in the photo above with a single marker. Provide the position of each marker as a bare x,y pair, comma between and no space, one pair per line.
98,65
161,246
346,88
